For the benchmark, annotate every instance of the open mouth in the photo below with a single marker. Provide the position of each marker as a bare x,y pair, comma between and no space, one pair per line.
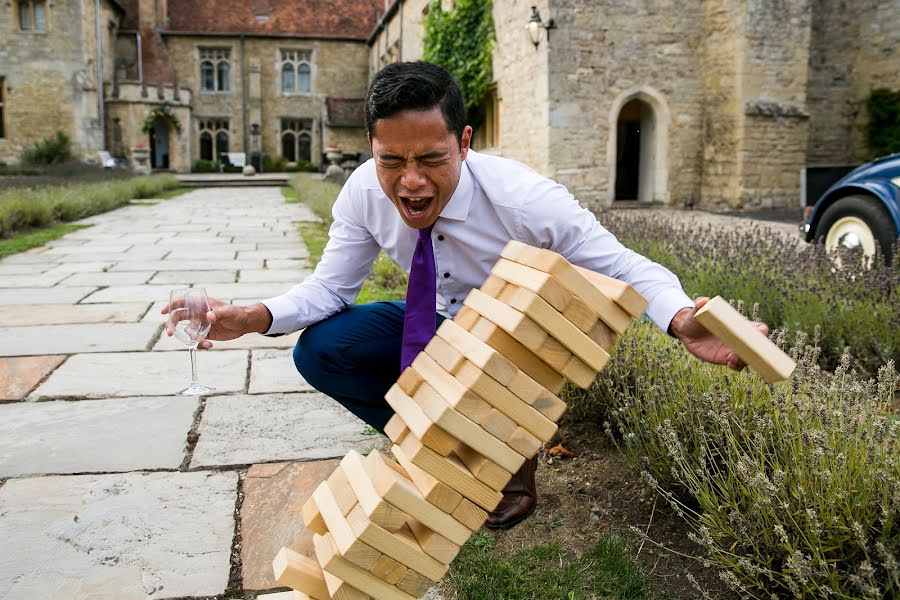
417,206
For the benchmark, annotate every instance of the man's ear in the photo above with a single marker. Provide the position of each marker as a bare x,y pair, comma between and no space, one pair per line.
369,137
465,141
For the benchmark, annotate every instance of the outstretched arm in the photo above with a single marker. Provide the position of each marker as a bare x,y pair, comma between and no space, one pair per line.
701,343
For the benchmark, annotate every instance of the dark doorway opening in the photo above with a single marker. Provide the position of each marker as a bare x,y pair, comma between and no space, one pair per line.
628,151
159,145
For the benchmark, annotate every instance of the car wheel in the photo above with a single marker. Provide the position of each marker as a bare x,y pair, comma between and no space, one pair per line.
856,224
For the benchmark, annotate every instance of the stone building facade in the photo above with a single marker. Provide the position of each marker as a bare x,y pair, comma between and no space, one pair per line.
713,103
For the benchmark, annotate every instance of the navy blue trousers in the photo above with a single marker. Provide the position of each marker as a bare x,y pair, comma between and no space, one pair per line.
354,357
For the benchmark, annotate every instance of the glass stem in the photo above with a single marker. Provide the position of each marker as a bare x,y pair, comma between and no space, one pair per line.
193,352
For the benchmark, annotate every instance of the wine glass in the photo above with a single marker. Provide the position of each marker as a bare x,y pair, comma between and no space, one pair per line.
187,321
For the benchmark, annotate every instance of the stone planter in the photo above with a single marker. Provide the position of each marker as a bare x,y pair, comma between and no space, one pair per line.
140,160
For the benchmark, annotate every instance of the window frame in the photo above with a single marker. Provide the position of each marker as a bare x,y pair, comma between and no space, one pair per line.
297,127
215,57
296,58
213,127
30,13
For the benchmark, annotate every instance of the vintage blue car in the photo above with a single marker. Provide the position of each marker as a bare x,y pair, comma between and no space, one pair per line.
860,211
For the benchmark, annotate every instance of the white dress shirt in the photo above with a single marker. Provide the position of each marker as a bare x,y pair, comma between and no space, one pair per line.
497,200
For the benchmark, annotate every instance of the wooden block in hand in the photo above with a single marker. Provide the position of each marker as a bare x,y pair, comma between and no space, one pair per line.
538,282
739,334
451,472
328,556
300,573
418,422
618,291
557,266
378,509
436,492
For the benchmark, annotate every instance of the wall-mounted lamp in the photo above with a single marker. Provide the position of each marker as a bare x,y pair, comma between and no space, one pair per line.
534,26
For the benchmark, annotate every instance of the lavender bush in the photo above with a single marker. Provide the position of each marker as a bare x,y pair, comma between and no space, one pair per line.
796,285
792,489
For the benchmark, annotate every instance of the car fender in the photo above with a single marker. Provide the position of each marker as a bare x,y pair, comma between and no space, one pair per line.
883,190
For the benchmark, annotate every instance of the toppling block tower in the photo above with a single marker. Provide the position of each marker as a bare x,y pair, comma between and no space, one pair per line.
472,407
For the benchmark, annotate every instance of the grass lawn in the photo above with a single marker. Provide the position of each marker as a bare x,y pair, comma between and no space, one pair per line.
33,239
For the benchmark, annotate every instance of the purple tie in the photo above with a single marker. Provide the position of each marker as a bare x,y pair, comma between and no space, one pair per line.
421,293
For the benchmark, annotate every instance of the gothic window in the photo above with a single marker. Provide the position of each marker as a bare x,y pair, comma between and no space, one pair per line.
2,107
213,138
215,69
297,62
32,15
296,139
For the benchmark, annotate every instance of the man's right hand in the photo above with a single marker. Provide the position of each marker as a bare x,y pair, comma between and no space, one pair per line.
230,321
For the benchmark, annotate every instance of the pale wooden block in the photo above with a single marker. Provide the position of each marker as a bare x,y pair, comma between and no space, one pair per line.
409,381
564,272
749,343
603,336
537,396
436,492
466,318
331,561
395,429
524,443
470,514
618,291
554,353
400,545
312,518
433,543
482,468
498,425
401,492
451,472
341,590
519,326
388,569
342,491
414,584
493,285
538,282
438,381
300,573
528,362
579,373
506,401
559,327
348,544
377,508
580,314
468,432
443,353
477,351
419,423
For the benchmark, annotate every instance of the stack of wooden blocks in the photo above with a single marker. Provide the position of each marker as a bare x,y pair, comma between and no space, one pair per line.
478,402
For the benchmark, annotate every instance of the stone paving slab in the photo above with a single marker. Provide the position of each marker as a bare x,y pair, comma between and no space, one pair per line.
299,252
94,436
69,295
125,374
270,515
126,536
125,293
202,253
90,247
300,264
108,278
33,340
240,430
282,276
19,375
81,267
247,342
273,371
62,314
11,269
42,280
189,277
185,265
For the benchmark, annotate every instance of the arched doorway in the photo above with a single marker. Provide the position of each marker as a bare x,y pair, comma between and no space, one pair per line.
637,151
159,144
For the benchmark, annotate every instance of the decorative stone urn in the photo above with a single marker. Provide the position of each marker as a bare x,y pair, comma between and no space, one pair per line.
140,160
334,170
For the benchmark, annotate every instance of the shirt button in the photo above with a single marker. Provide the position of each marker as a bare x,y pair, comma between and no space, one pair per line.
441,238
446,275
452,300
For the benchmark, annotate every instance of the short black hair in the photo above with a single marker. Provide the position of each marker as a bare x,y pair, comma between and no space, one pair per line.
415,86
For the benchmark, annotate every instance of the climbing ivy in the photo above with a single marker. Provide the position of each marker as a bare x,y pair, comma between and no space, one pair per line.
462,40
883,128
161,112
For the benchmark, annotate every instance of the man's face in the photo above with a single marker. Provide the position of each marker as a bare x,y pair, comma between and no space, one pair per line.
418,162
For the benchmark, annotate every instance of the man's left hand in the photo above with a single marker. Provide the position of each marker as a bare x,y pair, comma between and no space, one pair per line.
698,340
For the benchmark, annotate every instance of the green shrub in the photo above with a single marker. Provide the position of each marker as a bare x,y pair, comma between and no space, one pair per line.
277,164
303,166
795,284
205,166
316,193
793,489
51,151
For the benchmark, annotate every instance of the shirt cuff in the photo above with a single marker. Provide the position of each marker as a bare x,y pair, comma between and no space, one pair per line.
284,312
665,305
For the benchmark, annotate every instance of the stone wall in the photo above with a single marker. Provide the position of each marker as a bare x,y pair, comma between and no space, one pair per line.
855,48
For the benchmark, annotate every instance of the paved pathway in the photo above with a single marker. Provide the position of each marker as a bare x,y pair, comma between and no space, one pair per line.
110,486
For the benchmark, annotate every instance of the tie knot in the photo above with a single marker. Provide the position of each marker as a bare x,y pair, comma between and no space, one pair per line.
425,234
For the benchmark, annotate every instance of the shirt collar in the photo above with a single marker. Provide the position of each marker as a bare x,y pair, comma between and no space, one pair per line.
461,200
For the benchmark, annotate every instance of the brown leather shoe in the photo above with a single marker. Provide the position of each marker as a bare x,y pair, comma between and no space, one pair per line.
519,499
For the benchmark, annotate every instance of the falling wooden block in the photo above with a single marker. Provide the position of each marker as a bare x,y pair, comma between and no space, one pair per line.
401,493
498,425
328,556
483,469
557,266
300,573
388,569
395,428
537,396
350,546
739,334
433,543
342,491
538,282
579,373
418,422
466,317
618,291
436,492
443,353
378,509
400,545
451,472
312,518
414,584
603,336
519,326
341,590
470,515
477,352
580,314
438,381
524,443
